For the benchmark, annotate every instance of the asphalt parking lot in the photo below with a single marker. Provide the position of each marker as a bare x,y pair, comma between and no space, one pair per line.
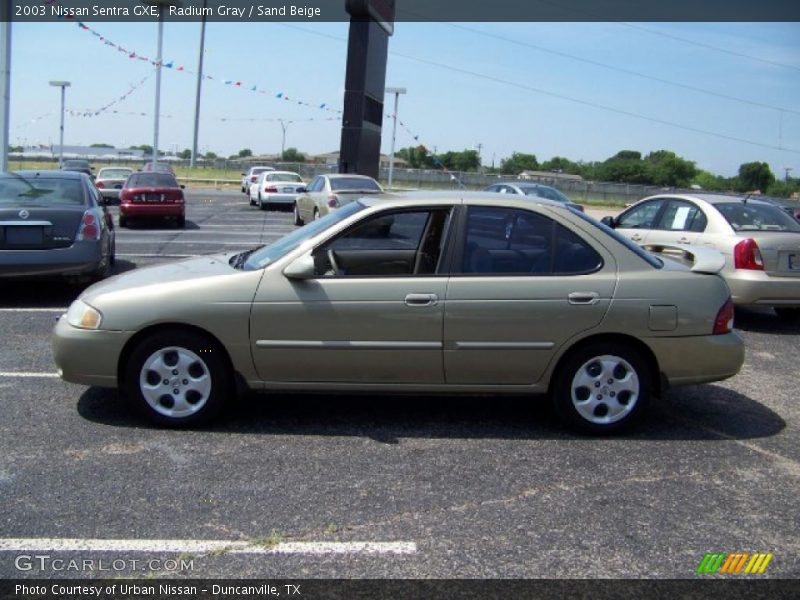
360,486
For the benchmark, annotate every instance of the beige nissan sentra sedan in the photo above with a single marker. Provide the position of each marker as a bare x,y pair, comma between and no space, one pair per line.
419,293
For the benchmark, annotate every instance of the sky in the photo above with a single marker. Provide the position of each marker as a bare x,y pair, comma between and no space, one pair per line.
719,94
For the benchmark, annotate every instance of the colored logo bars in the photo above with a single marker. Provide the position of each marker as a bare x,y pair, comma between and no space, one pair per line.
720,562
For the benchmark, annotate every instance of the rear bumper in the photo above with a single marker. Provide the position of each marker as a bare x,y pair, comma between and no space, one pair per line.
79,259
756,287
128,209
279,198
698,359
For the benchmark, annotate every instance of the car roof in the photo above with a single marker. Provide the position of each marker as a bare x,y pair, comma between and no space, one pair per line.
715,198
522,184
273,172
48,173
401,199
341,175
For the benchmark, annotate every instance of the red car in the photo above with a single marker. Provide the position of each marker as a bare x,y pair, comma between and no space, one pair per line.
152,195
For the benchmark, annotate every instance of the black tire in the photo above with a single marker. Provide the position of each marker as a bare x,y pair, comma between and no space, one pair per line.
297,220
208,372
113,258
604,411
790,314
123,221
181,222
316,215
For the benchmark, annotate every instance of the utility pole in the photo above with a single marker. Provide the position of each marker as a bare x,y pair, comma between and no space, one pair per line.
479,146
284,127
396,91
5,82
199,85
786,176
63,85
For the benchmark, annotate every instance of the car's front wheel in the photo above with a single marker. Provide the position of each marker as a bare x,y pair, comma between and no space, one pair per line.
178,378
790,314
601,388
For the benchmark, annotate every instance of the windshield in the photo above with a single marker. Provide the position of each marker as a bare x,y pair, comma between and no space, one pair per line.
756,217
341,184
546,192
114,173
18,190
636,249
269,254
290,177
151,180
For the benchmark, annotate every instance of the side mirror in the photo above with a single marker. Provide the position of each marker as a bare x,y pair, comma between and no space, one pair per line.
243,174
609,222
301,268
302,190
183,187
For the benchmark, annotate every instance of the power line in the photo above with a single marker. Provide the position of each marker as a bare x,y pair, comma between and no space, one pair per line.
622,70
711,47
568,98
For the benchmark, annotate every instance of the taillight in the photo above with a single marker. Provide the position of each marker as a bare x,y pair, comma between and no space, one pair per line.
746,255
270,190
724,321
333,201
253,178
89,230
99,185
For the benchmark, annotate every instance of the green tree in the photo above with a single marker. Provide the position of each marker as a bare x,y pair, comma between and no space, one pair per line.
185,154
466,160
519,162
669,169
625,166
711,182
148,150
417,157
292,155
784,189
101,146
245,152
210,155
561,165
755,176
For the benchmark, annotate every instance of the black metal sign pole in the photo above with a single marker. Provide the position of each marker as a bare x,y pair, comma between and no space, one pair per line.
371,24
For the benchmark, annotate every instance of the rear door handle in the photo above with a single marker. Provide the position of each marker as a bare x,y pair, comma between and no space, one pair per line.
584,298
683,240
422,300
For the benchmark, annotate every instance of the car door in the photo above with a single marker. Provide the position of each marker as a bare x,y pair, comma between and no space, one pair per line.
679,222
637,222
373,314
522,285
305,202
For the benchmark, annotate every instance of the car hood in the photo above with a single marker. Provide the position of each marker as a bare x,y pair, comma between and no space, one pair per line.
188,291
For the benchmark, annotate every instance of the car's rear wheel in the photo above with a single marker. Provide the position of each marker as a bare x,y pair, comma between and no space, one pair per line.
786,313
178,378
297,220
601,388
181,221
316,214
123,221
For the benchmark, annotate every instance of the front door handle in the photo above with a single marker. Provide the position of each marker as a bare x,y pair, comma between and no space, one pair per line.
584,298
636,237
683,240
422,300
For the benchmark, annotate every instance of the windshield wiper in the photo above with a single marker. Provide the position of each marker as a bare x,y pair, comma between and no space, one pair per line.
237,260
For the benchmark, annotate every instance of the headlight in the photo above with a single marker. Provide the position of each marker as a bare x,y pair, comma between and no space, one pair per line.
83,316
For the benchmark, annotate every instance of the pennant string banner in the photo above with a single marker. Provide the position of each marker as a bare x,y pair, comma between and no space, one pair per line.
107,107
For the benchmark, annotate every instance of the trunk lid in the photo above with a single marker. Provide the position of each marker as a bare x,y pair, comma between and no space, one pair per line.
780,251
43,228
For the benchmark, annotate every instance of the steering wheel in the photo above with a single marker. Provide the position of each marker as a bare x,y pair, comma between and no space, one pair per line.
332,261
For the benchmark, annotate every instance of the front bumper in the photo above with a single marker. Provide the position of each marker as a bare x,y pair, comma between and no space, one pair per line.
81,258
87,356
756,287
698,359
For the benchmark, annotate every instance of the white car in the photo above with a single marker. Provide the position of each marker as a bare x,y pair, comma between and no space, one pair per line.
760,242
276,188
251,175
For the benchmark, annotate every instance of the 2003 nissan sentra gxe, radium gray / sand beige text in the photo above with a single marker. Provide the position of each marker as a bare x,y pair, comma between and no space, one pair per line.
412,293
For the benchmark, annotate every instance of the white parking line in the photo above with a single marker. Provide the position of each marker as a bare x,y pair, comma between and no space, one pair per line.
24,310
202,546
158,255
26,374
242,243
191,232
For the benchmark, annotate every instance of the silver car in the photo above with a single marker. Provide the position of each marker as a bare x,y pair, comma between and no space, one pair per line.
54,223
760,242
424,293
329,192
525,188
110,180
